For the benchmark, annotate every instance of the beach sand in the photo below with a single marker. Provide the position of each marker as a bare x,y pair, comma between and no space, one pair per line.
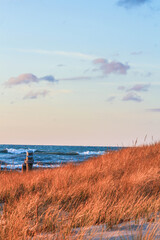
129,231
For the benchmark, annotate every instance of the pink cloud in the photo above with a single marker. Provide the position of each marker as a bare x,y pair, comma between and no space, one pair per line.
27,78
23,78
140,87
132,97
99,61
34,95
111,67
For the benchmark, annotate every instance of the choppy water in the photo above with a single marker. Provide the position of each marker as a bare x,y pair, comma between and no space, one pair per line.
12,156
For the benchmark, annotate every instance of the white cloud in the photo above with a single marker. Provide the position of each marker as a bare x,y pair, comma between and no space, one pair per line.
59,53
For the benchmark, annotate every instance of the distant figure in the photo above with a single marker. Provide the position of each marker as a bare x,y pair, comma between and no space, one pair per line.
28,162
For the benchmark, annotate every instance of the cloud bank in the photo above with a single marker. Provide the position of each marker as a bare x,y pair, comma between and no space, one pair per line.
131,3
27,78
111,67
132,97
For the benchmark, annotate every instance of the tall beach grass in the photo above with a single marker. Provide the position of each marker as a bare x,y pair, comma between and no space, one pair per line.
110,189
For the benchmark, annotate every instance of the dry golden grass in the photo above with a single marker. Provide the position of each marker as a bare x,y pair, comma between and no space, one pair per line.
113,188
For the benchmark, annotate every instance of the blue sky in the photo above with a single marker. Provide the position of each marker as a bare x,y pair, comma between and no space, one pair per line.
79,72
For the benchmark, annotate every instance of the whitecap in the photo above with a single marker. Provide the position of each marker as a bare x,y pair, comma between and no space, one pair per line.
92,153
18,151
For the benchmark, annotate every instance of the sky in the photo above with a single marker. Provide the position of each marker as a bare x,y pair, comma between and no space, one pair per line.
79,72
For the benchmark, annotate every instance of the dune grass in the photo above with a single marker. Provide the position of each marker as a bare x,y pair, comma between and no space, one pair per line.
110,189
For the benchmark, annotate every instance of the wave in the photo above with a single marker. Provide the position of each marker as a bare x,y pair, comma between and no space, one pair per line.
92,153
22,151
71,153
15,151
4,151
56,153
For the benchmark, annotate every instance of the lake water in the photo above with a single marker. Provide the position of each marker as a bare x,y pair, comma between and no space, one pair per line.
12,156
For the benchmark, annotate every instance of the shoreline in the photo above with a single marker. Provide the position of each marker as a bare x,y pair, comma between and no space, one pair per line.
45,168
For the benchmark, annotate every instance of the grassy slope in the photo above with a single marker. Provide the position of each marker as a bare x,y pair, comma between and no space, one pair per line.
110,189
